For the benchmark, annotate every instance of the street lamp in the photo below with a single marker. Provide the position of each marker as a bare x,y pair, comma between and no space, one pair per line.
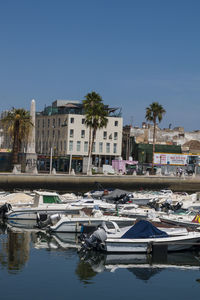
51,151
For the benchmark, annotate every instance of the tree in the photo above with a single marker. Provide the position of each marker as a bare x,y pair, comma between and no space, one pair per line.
18,123
153,112
96,118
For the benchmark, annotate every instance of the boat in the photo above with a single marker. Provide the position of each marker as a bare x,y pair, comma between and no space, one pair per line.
90,203
114,231
143,237
18,225
74,223
46,203
187,220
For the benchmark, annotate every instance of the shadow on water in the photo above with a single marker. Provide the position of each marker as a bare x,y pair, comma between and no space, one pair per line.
16,244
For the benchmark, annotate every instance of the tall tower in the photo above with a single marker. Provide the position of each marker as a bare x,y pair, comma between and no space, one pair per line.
31,138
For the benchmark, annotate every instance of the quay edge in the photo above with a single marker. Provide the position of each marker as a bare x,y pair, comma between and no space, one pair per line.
83,183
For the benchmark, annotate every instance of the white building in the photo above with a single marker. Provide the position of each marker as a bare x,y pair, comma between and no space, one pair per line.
61,129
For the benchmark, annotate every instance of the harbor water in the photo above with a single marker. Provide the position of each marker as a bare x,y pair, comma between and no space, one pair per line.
37,265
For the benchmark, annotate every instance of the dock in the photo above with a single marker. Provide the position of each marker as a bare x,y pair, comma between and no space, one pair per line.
84,183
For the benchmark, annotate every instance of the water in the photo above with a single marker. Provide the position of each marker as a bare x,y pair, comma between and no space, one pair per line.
39,266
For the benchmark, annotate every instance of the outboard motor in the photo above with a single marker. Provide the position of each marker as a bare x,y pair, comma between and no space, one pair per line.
177,206
95,241
4,209
124,200
44,220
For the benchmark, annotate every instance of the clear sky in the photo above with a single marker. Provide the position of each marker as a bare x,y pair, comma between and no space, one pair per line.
132,52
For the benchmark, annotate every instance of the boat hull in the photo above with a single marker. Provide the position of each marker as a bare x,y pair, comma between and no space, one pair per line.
180,222
75,224
169,244
31,214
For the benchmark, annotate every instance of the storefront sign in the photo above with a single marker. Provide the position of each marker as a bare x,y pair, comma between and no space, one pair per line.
170,159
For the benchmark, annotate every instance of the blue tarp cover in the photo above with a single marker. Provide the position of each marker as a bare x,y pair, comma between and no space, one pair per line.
143,229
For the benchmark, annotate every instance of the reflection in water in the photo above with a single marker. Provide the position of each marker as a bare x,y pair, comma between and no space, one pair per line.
15,249
85,272
143,266
16,241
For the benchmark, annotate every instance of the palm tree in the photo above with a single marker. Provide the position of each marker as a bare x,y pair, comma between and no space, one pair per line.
153,112
96,118
17,122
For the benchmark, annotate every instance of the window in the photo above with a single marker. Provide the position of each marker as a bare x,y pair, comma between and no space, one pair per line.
85,146
93,147
54,123
59,122
71,133
72,120
78,146
83,121
70,145
65,148
48,123
107,147
100,147
105,135
115,135
116,123
82,133
38,123
114,148
51,199
58,133
60,145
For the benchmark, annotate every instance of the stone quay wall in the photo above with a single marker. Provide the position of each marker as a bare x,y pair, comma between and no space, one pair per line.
75,183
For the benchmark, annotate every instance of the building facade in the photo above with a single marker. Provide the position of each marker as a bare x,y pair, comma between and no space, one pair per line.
61,135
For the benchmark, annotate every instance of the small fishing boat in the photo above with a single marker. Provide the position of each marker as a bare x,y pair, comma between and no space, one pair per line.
43,203
74,223
190,220
143,237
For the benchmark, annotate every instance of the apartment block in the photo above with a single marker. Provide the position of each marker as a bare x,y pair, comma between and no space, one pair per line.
61,132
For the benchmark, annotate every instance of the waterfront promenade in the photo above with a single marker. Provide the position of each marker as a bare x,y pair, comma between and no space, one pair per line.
83,183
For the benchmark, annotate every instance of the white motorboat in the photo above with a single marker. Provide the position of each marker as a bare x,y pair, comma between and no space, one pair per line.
43,203
114,231
74,223
190,220
143,237
174,243
90,203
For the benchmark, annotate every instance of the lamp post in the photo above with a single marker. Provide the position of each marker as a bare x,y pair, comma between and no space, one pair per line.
51,151
70,163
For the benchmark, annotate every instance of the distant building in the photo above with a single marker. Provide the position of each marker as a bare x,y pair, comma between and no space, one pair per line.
137,142
61,128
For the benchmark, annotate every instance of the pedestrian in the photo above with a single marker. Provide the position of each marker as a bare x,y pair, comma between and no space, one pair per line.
180,172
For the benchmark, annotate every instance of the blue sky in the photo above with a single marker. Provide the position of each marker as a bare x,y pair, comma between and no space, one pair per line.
131,52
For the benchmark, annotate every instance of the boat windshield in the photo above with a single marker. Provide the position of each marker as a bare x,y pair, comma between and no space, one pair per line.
51,199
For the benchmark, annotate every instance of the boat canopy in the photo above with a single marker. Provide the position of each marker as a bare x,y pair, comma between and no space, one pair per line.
116,195
144,229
